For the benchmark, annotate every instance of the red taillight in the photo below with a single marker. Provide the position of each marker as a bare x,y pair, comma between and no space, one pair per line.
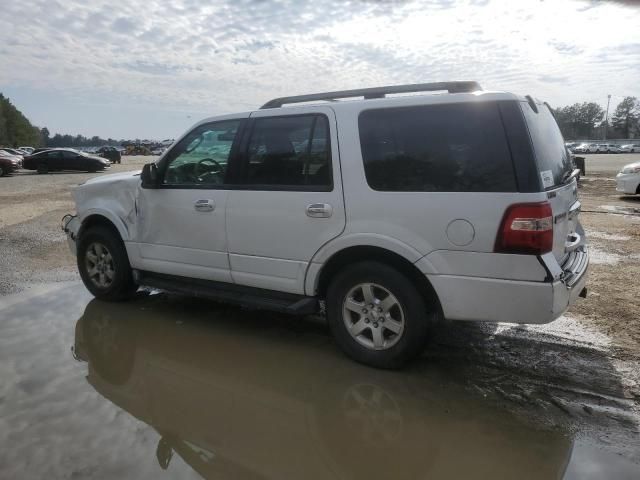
526,228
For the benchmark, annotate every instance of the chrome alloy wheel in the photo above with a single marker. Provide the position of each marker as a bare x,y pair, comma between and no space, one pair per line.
99,264
373,316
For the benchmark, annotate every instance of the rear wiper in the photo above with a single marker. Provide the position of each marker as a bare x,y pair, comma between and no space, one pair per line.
568,176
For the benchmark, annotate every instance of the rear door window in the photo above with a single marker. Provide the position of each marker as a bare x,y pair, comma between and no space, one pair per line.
548,145
436,148
289,153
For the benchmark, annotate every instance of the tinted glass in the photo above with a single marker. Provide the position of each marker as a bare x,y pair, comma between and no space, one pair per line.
551,154
290,151
436,148
201,158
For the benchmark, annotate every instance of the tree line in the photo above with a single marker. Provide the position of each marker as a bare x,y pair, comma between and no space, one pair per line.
588,120
75,141
17,131
580,120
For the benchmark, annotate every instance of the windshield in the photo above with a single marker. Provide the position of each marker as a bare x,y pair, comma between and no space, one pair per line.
552,157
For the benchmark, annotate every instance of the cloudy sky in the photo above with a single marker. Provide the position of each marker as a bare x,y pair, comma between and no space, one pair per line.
151,68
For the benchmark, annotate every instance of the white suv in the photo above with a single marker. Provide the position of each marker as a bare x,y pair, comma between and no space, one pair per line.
390,211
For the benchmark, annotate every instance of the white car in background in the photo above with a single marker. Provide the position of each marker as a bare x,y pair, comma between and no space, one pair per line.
629,148
582,148
628,180
607,148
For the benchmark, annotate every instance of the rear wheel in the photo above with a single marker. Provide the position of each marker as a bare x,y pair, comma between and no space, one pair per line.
377,315
2,172
104,265
42,168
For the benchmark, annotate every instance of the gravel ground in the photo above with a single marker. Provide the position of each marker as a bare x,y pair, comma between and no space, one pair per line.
34,249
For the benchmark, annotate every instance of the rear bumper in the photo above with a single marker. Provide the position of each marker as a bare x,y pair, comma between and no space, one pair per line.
509,301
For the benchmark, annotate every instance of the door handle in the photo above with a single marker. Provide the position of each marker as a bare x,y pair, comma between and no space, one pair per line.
319,210
205,205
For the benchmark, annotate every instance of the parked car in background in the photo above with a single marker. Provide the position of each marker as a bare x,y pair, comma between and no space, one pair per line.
8,164
629,148
157,151
423,212
607,148
14,151
27,150
591,148
628,180
111,153
581,148
572,146
5,153
64,159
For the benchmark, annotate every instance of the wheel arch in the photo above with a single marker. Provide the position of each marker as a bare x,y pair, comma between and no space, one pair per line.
95,218
358,253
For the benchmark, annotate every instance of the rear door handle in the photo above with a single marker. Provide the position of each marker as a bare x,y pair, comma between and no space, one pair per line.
319,210
204,205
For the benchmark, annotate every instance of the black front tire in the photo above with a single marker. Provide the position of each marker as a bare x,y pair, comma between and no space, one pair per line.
43,168
418,315
122,286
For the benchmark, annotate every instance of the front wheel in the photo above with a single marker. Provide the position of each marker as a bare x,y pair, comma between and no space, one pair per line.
377,315
104,265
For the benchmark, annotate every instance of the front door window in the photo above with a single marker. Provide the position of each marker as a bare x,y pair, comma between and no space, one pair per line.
202,157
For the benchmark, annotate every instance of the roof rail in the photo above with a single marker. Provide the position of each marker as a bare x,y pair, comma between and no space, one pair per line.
377,92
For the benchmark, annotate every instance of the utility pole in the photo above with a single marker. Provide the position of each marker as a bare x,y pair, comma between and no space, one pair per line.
606,118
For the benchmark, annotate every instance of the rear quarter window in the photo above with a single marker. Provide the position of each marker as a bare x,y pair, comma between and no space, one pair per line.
436,148
550,152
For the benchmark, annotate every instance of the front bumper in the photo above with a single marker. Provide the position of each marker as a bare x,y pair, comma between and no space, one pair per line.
627,183
511,301
71,226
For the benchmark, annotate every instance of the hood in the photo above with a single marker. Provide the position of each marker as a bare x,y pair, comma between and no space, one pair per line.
112,177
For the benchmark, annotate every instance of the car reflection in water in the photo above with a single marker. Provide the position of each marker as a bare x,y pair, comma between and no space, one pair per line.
240,397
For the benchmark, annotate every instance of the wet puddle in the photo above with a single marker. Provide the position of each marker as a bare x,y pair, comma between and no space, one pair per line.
169,387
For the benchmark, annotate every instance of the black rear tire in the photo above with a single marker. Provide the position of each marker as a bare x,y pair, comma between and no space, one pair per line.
43,168
122,285
417,315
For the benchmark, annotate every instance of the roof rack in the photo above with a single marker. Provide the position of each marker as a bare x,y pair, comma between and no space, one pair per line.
377,92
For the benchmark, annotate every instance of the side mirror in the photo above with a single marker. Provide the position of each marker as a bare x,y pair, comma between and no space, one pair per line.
149,175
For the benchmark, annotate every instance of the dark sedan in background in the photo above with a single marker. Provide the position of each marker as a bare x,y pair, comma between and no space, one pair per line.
110,153
64,159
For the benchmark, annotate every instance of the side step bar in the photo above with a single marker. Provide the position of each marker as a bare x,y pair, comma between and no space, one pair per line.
225,292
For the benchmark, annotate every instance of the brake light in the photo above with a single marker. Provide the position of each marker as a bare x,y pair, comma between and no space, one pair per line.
526,228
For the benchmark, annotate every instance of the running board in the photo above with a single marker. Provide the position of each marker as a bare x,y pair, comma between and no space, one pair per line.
251,297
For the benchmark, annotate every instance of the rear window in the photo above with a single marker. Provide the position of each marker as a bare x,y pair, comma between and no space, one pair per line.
551,154
436,148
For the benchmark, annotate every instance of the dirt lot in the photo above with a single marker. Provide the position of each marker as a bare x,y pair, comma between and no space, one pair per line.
579,375
33,247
